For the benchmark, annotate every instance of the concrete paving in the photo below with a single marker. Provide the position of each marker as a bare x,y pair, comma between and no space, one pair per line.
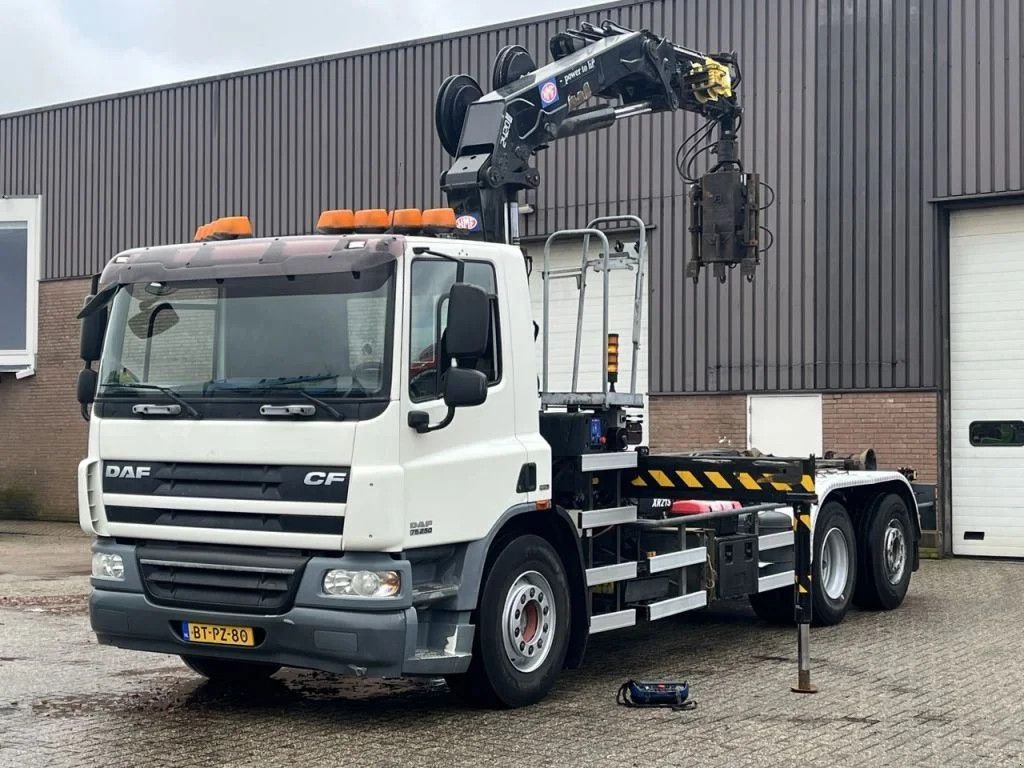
937,682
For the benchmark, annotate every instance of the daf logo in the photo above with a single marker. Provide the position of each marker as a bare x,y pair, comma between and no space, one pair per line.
324,478
126,472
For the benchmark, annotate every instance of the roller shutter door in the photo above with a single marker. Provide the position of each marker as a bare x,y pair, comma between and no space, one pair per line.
986,254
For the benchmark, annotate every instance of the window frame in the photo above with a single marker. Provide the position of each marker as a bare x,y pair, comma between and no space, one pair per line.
499,372
27,208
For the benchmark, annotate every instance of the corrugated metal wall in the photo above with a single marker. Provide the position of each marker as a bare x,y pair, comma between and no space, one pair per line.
986,98
858,113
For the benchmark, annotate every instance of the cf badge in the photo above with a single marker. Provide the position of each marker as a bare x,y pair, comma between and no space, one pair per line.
324,478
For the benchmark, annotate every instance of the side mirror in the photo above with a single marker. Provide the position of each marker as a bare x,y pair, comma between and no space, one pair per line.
87,382
464,387
94,326
469,322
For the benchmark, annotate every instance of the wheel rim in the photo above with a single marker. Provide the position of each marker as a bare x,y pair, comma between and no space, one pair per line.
528,621
895,550
835,563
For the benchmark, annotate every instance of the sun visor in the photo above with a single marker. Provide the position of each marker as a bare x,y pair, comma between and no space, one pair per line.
99,301
252,258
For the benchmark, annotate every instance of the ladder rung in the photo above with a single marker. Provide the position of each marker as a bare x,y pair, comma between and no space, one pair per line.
602,622
671,560
674,605
597,462
599,518
774,540
775,581
607,573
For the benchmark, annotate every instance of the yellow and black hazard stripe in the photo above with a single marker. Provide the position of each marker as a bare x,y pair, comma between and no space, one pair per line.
716,480
803,573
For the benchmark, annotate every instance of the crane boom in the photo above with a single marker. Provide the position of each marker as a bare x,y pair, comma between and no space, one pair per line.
600,75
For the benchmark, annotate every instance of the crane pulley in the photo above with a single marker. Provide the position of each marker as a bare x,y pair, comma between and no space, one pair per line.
600,75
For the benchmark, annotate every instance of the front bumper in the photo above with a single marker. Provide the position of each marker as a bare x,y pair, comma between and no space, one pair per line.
340,635
359,642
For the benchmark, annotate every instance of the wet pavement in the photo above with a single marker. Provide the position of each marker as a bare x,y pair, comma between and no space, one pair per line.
937,682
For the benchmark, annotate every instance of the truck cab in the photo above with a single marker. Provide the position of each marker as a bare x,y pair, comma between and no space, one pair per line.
274,433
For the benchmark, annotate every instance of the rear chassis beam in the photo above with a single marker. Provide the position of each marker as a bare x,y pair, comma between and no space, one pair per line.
759,484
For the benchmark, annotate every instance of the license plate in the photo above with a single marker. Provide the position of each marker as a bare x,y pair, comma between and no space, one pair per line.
217,634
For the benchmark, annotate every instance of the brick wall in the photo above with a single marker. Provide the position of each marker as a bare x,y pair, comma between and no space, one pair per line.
900,426
42,434
698,422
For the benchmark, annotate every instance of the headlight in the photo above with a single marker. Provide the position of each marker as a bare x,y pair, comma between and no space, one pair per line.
362,583
106,566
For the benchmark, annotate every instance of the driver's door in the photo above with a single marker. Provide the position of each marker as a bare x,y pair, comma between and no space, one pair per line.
459,479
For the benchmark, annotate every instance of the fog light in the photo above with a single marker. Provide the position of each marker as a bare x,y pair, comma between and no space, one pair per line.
106,566
362,583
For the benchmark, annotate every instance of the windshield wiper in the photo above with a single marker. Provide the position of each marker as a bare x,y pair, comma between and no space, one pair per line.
319,403
282,381
169,392
279,385
250,384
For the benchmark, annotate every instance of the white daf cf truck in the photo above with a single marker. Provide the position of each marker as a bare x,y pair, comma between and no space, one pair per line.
336,451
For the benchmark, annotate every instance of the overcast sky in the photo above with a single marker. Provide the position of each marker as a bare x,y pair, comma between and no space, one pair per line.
59,50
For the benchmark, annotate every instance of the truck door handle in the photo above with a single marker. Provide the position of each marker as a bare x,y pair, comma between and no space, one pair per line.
287,410
152,409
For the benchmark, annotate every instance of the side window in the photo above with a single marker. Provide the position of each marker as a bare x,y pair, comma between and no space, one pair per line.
430,282
1004,434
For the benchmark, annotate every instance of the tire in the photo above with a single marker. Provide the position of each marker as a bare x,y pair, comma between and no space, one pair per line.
522,632
230,670
775,607
886,555
831,592
835,564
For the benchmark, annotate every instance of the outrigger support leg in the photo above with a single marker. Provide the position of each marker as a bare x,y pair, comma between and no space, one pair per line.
803,607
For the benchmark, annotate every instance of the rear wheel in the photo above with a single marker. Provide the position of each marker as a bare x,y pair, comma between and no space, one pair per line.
834,573
522,632
886,555
230,670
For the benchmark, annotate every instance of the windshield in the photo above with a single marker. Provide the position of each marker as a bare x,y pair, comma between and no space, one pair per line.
328,334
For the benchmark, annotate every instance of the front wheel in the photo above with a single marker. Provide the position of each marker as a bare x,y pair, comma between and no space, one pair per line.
522,632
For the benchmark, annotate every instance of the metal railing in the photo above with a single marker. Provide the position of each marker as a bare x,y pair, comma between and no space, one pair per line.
604,262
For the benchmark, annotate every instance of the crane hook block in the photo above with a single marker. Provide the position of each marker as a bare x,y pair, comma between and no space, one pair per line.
725,212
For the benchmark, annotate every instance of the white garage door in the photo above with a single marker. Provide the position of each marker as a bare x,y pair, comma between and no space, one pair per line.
986,257
564,301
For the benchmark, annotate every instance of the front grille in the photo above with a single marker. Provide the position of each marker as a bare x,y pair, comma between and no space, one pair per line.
220,578
231,521
227,481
